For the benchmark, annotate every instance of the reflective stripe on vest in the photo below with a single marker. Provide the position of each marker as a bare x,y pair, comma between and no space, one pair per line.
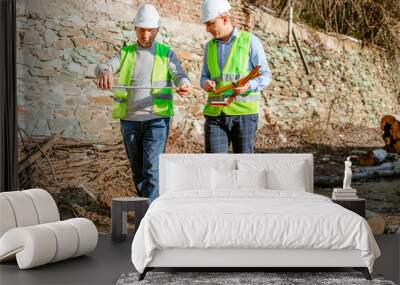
254,97
160,77
236,66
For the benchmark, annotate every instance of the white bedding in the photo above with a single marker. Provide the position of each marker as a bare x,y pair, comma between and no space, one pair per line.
250,218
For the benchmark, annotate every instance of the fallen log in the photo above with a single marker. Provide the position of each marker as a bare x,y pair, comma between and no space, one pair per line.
385,170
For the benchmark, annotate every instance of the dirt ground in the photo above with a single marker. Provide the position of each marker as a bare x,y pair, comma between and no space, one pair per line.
89,174
329,147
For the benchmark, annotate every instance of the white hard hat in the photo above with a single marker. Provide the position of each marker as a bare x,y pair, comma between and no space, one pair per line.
147,17
211,9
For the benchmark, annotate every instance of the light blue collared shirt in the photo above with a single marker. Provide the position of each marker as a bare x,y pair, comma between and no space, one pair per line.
257,57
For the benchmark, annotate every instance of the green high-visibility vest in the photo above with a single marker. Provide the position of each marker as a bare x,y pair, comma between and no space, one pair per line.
236,66
160,77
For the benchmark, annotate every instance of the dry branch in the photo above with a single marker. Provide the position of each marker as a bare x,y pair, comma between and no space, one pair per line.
33,158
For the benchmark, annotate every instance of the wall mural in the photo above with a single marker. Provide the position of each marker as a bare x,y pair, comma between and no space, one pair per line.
70,145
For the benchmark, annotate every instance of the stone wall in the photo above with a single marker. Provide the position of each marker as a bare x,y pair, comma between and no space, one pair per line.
60,43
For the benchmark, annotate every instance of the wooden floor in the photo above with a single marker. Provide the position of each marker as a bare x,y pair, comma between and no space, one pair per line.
110,259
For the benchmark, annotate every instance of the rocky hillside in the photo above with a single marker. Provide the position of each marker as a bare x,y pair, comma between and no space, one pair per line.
58,48
331,112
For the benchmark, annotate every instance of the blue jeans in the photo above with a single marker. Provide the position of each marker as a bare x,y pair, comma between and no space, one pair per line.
221,131
144,142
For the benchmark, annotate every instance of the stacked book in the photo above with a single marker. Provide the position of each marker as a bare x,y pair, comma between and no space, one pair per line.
344,194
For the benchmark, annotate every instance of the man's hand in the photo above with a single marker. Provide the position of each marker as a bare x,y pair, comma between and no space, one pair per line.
209,85
184,90
241,89
105,80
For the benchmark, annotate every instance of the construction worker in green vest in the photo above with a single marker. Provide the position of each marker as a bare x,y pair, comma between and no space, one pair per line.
144,111
230,55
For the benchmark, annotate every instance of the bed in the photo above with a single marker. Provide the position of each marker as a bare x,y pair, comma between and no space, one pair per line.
246,211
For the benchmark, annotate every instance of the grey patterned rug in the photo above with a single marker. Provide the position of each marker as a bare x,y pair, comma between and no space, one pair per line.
243,278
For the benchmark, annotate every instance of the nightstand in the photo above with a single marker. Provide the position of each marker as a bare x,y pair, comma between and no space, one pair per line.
358,205
119,215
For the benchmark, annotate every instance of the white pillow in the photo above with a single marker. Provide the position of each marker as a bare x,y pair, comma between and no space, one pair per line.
224,179
183,177
281,174
251,178
287,175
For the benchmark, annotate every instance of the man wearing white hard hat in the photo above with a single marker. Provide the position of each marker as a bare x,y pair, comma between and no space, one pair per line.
144,110
230,55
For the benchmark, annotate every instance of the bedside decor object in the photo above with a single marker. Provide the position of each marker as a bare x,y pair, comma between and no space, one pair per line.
346,192
119,215
347,174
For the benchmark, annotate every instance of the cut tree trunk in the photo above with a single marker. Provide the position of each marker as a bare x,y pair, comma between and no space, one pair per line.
391,133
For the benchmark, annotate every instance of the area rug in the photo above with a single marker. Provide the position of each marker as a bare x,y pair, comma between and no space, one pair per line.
244,278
